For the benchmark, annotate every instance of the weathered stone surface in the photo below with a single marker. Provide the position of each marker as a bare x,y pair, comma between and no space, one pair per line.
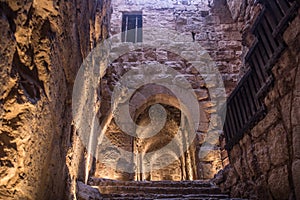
42,47
261,188
296,111
286,106
209,155
279,183
261,151
296,142
262,160
231,177
235,153
204,26
198,189
208,31
278,146
248,158
86,192
237,165
296,175
290,34
235,8
207,172
269,120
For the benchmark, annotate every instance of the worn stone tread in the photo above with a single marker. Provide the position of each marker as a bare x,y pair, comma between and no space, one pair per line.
199,189
159,190
165,196
105,182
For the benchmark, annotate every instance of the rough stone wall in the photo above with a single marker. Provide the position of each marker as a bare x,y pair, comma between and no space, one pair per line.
171,172
111,157
244,12
209,21
213,29
208,164
265,163
43,43
210,25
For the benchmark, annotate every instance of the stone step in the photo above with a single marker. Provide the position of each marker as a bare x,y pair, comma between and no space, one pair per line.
134,190
108,182
158,190
165,196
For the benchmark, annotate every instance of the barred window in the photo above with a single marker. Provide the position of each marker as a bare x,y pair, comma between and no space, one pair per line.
132,27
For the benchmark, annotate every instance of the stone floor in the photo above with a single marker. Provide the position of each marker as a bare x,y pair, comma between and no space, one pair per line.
150,190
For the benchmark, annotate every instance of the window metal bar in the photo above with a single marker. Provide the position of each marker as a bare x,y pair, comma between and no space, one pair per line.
136,29
126,29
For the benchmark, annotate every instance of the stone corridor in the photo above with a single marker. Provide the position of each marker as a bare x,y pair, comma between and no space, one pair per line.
149,99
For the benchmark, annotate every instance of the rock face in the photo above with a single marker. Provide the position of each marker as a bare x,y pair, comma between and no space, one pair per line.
263,164
42,46
86,192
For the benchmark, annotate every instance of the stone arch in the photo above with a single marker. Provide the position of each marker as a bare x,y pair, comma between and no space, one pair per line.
186,161
172,172
175,42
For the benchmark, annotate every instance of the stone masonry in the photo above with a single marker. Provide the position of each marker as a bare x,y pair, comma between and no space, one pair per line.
42,46
265,163
209,26
42,152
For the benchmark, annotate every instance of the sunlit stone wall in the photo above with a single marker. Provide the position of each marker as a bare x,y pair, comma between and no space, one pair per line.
209,25
42,45
265,163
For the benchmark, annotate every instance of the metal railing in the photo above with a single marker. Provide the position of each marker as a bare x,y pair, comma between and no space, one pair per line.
245,106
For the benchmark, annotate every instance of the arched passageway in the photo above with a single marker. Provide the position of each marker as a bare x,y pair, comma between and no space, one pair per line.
177,162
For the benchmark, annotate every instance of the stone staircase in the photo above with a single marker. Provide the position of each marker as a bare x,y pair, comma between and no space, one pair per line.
150,190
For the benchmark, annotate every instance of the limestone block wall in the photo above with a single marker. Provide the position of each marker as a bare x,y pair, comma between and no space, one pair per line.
209,23
155,94
114,163
213,29
245,13
42,46
208,164
265,163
